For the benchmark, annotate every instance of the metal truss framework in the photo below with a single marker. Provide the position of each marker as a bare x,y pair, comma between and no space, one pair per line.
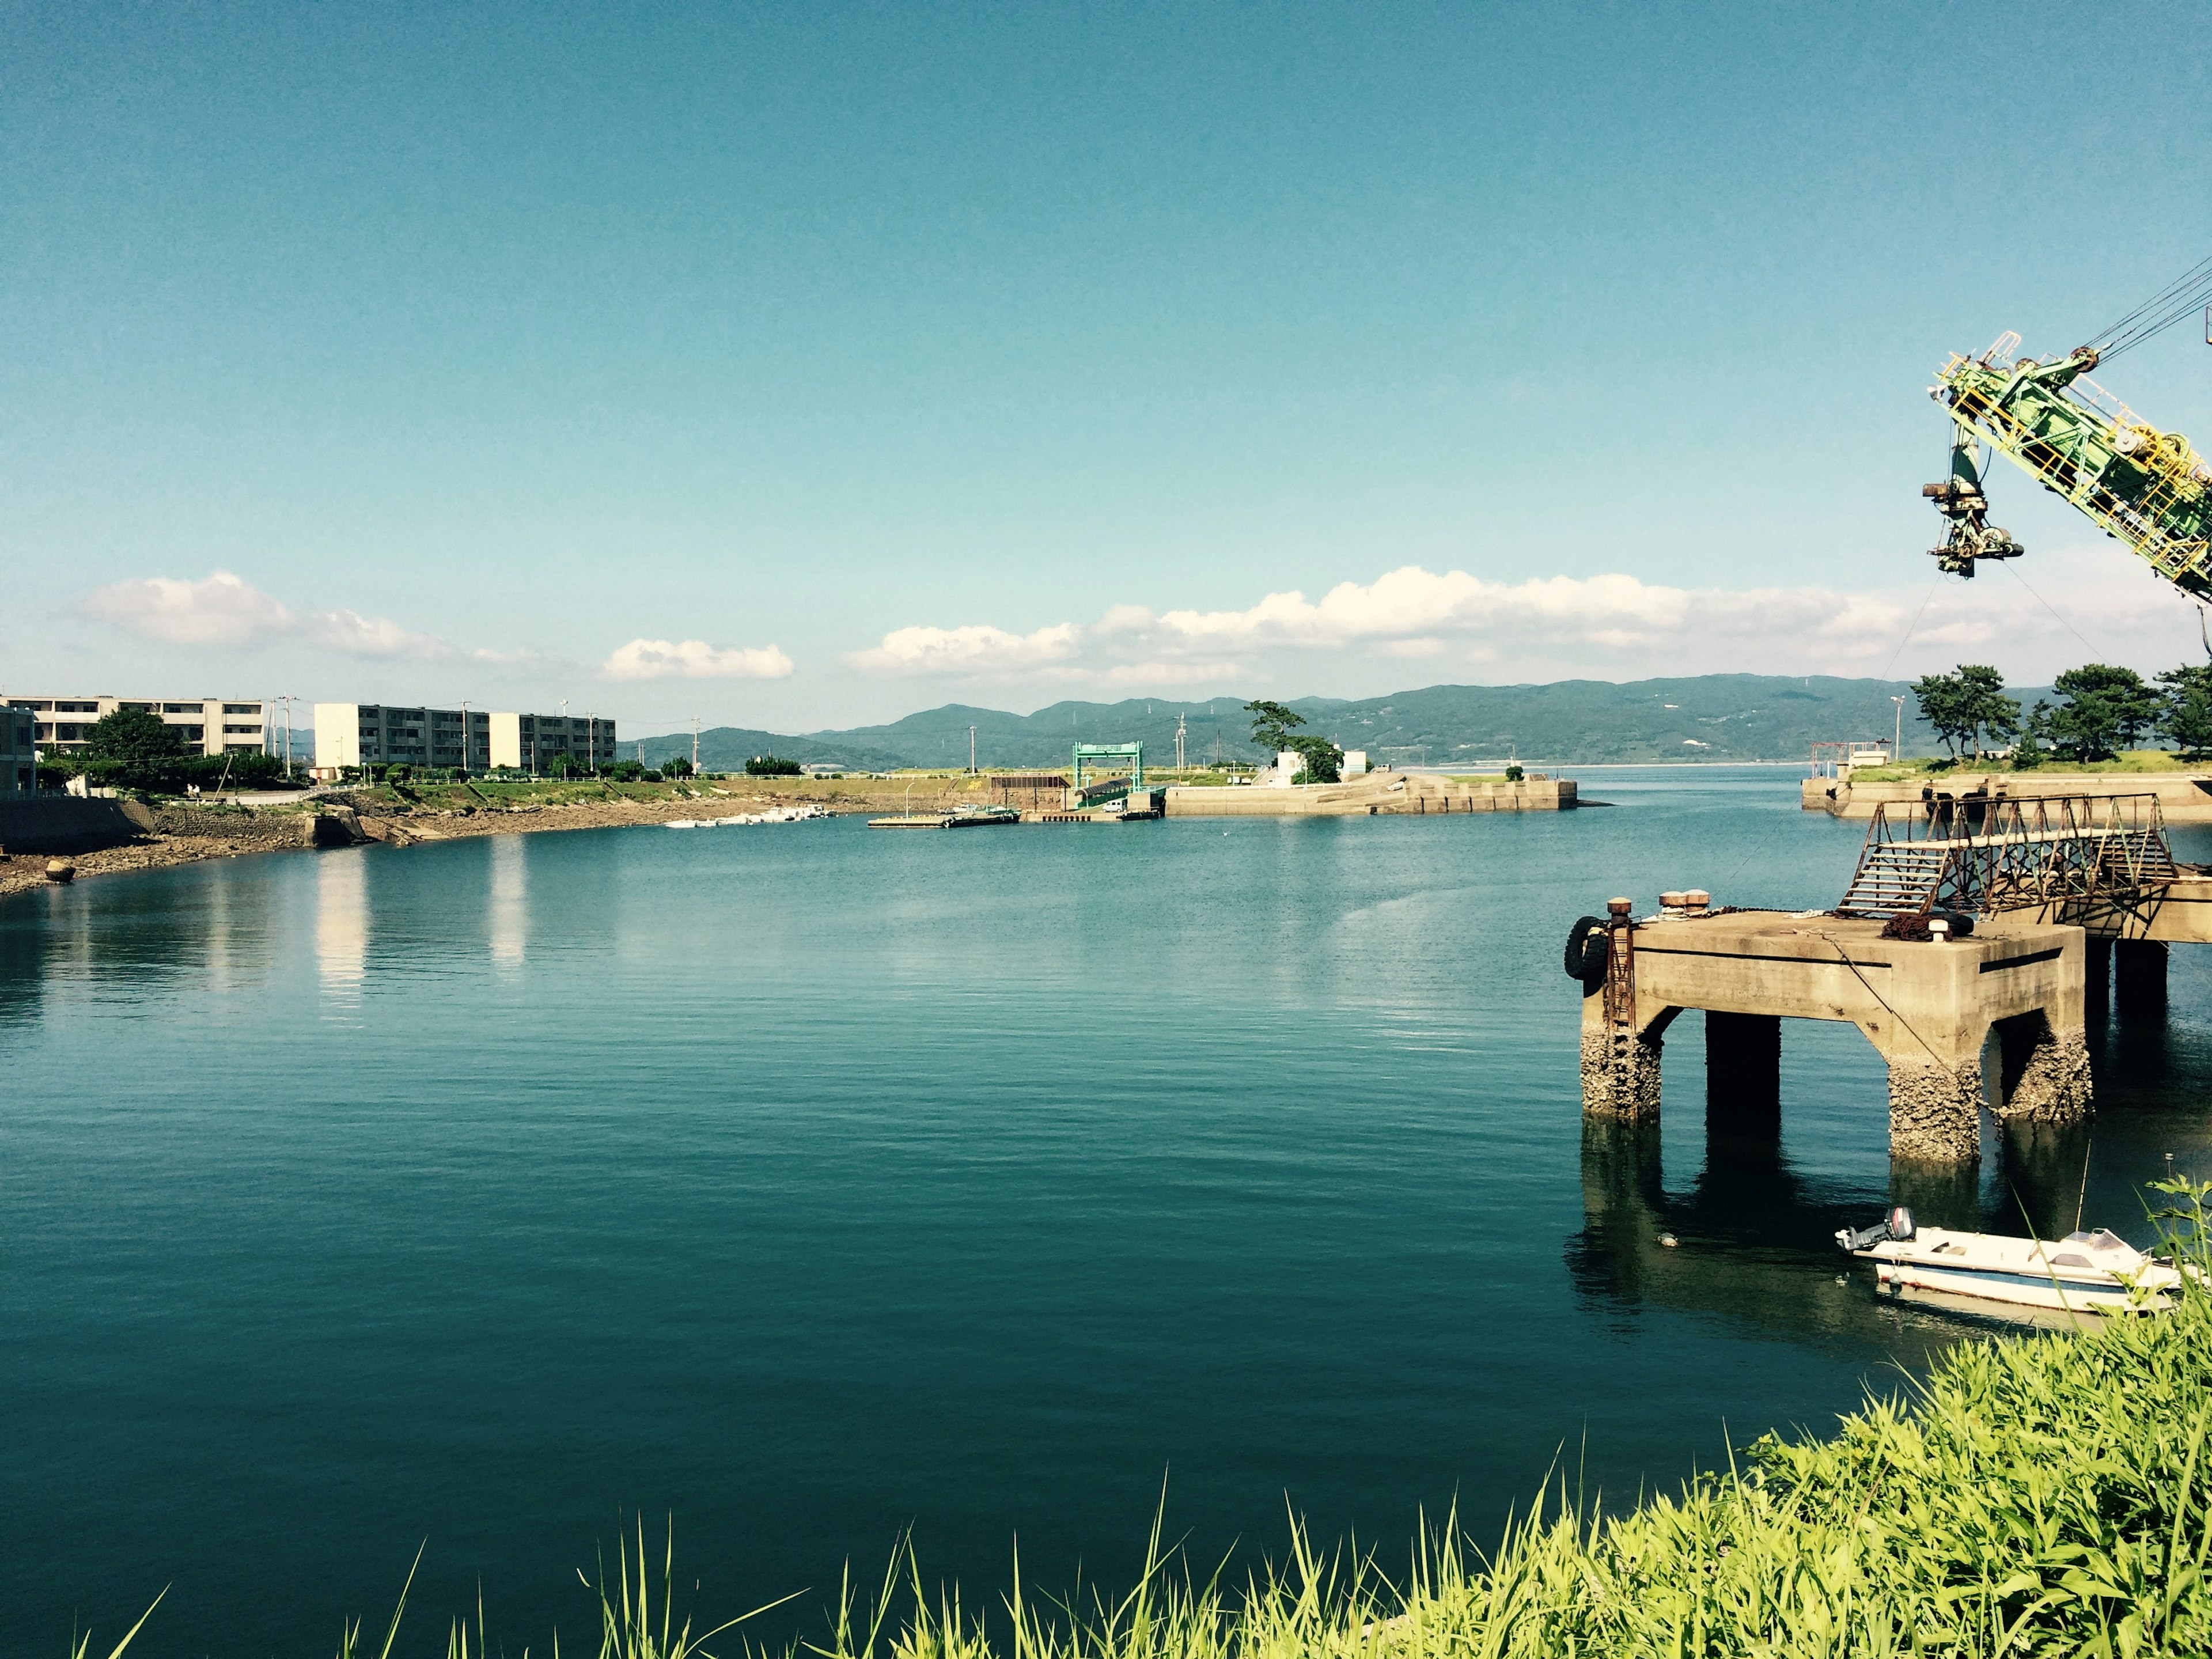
2095,861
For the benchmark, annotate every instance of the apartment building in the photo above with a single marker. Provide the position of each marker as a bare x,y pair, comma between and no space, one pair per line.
19,774
211,725
353,734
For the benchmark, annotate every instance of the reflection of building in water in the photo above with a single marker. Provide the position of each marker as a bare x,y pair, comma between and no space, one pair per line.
509,917
341,918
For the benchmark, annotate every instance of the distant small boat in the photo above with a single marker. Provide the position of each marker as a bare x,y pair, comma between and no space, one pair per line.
2095,1271
685,823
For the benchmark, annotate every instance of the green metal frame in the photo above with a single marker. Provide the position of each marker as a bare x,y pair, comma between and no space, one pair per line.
2145,487
1132,752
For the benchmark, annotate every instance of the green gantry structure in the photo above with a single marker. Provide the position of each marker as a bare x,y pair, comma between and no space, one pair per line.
1132,752
2145,488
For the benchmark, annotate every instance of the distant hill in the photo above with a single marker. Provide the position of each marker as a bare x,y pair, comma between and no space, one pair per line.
1709,717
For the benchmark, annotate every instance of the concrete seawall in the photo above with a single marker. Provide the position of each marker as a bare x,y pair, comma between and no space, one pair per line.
2183,797
69,824
1407,794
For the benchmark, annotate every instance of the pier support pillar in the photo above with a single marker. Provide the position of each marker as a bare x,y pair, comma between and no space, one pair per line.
2139,979
1743,1074
2097,979
1934,1109
2043,1070
1620,1074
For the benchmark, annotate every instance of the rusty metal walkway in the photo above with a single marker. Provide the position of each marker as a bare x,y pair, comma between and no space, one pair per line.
2090,861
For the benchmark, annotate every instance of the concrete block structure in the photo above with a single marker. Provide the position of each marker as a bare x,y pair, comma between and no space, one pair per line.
1375,794
2183,797
1928,1006
209,725
356,734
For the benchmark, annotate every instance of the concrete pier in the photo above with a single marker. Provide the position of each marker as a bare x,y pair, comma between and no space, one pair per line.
1927,1005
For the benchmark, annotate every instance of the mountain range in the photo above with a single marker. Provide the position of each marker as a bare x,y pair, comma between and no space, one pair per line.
1709,717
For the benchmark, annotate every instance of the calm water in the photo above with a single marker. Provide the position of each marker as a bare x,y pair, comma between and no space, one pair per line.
808,1183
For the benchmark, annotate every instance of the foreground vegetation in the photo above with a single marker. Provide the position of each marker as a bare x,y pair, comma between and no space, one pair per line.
2038,1495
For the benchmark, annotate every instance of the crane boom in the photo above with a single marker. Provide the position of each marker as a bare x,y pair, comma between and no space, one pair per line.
2145,487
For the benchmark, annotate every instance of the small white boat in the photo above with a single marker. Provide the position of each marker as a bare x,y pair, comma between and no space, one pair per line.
2095,1271
685,823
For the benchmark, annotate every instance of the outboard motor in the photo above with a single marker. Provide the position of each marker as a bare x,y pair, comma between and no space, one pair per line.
1897,1226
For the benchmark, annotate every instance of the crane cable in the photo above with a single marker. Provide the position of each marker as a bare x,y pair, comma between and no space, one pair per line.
2187,293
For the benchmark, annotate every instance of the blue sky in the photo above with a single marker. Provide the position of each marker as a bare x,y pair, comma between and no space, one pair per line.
801,365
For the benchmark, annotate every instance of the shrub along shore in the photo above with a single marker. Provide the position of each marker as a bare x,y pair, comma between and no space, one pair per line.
2036,1494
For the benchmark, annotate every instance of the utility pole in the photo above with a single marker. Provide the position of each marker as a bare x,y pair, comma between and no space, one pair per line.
1179,722
465,742
695,745
592,737
971,751
1896,744
288,736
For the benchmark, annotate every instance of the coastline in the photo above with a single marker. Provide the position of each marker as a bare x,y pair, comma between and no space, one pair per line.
174,835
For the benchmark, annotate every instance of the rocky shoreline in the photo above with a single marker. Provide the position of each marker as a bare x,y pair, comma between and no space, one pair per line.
174,835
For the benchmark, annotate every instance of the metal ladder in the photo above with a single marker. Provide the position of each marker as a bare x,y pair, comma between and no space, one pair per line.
1894,877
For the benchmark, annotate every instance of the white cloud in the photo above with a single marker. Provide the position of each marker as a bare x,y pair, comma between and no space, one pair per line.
371,636
219,609
1613,625
975,649
695,660
226,609
1412,611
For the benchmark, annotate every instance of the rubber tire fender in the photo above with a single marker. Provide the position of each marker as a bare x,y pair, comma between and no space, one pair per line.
1586,949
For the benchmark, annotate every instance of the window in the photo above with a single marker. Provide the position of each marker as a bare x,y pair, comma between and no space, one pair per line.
241,730
242,709
137,707
74,708
181,709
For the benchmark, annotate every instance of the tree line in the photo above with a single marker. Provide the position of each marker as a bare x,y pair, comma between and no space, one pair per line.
2102,710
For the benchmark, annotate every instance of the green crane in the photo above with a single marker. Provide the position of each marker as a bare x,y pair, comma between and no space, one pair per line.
2145,487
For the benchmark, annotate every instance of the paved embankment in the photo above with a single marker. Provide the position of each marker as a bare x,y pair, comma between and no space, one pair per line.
2183,797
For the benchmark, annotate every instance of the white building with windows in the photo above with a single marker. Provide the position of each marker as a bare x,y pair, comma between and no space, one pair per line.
18,751
211,725
356,734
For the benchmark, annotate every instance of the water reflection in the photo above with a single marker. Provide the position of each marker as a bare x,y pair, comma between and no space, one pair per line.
1752,1245
1752,1237
23,962
509,908
341,923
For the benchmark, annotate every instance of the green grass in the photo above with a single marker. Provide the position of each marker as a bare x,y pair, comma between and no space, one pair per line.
2036,1495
